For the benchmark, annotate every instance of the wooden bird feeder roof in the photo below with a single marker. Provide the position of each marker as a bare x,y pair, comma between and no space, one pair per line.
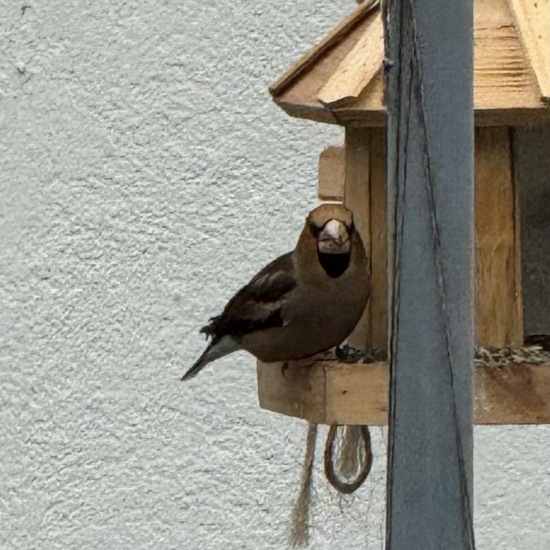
340,80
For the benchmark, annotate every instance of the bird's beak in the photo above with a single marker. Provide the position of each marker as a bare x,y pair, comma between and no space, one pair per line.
334,238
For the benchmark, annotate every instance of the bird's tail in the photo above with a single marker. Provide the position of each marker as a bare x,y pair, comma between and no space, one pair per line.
199,364
215,350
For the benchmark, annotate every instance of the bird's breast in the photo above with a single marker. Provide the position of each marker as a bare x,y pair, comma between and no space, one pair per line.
318,315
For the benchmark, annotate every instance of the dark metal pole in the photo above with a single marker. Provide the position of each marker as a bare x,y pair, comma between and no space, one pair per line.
430,205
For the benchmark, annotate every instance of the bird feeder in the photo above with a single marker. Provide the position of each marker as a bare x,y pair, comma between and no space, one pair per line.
341,81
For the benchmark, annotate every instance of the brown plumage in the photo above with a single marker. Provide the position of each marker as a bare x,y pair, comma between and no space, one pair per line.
302,303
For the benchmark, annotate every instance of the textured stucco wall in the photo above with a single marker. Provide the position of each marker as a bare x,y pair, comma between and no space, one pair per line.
144,176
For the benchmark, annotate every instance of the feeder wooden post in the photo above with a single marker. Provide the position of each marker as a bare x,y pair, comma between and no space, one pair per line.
357,198
365,194
431,213
498,295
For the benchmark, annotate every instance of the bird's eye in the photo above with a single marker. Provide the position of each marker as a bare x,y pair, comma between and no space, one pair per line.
315,230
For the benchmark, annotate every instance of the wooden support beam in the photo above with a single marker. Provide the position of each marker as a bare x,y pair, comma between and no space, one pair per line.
357,199
498,244
365,194
378,312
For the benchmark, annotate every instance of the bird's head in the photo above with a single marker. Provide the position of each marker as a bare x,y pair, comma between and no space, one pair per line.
329,243
332,227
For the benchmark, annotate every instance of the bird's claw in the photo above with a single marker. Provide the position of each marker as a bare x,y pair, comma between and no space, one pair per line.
347,354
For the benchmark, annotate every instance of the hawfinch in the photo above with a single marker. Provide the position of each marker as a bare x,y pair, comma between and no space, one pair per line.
303,303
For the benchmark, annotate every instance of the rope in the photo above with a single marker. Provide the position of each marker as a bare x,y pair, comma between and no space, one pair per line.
299,532
342,486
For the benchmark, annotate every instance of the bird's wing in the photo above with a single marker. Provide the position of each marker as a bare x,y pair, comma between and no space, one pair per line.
259,304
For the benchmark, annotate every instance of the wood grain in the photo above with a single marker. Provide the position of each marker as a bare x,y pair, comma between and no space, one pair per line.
332,39
358,68
344,390
532,18
332,171
498,269
503,77
340,393
292,391
299,94
514,394
378,312
357,199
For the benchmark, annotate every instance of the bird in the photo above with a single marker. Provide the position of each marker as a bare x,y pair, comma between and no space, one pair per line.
301,304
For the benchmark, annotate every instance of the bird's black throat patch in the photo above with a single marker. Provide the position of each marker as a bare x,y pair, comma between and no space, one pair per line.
334,264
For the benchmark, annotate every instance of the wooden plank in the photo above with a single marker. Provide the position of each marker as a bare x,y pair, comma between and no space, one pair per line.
378,313
357,199
533,21
374,115
512,117
532,176
503,77
293,391
514,394
330,41
498,268
317,113
358,68
299,96
357,394
351,398
332,170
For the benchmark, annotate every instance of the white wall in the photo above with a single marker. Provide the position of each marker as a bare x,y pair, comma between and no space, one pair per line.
145,175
